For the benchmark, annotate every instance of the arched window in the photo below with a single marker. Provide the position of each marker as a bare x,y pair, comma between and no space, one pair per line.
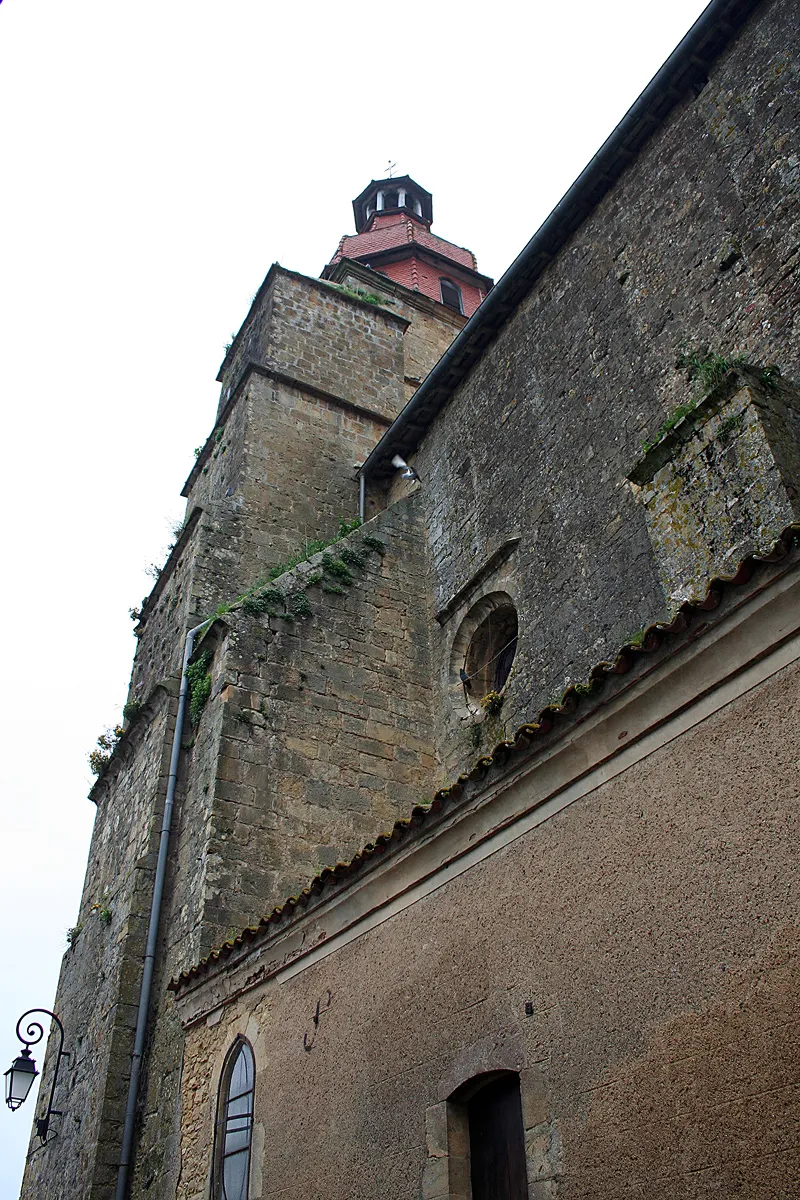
451,295
391,200
491,651
233,1133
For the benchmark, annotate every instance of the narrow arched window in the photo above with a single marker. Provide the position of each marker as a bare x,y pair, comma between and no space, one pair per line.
233,1134
451,295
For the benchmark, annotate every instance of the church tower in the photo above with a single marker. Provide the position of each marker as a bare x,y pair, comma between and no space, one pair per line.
303,728
393,236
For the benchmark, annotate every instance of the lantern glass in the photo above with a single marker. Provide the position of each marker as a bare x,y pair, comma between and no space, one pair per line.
19,1079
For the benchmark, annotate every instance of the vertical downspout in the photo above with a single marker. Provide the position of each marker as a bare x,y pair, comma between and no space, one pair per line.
362,494
152,930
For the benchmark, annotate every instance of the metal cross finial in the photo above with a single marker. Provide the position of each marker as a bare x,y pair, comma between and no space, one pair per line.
390,169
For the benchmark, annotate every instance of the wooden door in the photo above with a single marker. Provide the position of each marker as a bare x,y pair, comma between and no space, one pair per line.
497,1142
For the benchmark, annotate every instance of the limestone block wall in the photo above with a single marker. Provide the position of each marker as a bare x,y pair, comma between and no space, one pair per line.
98,989
279,470
317,736
326,734
301,454
723,483
171,608
323,337
432,326
695,246
360,356
649,926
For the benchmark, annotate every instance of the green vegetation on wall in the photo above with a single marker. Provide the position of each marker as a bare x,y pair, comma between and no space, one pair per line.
199,678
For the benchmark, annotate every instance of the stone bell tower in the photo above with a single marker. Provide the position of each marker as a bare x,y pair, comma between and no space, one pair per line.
309,730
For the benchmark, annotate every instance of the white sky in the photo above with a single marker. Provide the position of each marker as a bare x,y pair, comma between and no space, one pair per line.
156,158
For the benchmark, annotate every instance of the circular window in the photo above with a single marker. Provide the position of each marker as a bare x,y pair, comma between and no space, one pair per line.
485,646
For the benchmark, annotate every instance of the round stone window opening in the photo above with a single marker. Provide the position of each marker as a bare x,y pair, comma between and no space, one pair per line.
486,645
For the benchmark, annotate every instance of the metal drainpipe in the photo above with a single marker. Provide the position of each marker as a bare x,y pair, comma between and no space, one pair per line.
362,495
152,930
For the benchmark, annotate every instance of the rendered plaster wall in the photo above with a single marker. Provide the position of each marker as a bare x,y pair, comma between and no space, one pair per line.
652,926
696,245
98,988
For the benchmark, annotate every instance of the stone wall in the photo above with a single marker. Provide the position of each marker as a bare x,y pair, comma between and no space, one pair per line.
723,482
325,735
278,470
323,337
98,989
648,924
316,737
696,246
319,733
432,326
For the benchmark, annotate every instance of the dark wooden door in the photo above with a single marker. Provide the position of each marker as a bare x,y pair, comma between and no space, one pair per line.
497,1142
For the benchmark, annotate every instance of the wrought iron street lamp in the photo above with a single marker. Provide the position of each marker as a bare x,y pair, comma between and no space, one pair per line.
22,1072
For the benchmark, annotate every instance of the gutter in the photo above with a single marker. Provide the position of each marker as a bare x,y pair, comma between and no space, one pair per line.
152,930
684,73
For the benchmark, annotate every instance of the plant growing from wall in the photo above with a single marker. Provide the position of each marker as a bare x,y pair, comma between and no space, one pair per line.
334,574
731,425
706,370
268,600
103,914
491,703
337,568
73,933
352,557
299,604
100,757
360,294
132,709
199,678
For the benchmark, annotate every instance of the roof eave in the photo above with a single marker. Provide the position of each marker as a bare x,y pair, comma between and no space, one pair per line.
684,73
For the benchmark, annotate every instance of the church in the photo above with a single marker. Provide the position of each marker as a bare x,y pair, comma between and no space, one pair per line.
449,845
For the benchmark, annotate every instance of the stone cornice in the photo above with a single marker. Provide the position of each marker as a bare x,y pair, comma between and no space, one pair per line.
275,270
278,376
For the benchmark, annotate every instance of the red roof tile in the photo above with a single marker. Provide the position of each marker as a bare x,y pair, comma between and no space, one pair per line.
400,233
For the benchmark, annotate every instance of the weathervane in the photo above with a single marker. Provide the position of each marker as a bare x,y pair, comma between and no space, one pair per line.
390,168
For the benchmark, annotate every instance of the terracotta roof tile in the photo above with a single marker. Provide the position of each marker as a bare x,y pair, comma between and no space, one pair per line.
387,237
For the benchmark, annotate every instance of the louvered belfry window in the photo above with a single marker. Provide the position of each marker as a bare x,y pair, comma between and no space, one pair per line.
234,1130
451,295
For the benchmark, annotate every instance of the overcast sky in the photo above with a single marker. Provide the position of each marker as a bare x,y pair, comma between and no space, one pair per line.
157,157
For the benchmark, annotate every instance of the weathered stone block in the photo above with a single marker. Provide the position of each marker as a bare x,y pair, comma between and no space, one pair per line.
724,482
